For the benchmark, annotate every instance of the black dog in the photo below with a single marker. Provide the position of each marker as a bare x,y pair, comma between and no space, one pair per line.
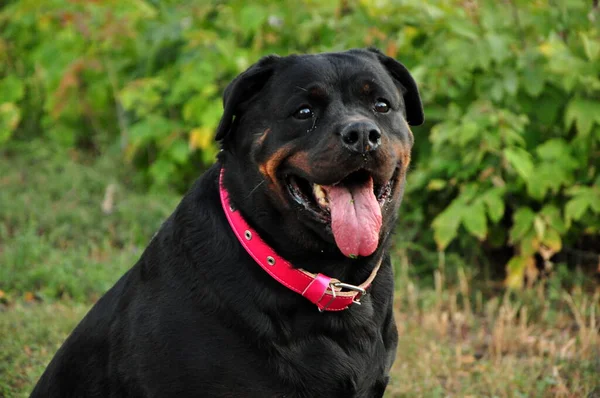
314,154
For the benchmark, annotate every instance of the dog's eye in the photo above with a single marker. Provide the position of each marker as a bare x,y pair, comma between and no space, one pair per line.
303,113
382,106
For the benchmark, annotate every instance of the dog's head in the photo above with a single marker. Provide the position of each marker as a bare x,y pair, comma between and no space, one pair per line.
316,147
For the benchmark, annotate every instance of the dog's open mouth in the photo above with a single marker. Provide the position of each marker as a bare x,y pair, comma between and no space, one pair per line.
352,206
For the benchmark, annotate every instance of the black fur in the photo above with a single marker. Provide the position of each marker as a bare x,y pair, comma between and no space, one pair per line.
196,316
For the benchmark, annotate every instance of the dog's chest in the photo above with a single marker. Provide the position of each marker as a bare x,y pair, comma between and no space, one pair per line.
352,366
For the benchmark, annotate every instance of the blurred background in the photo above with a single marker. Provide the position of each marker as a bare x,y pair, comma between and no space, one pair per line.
107,114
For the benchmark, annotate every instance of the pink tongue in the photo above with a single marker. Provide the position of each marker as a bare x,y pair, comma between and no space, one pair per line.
355,218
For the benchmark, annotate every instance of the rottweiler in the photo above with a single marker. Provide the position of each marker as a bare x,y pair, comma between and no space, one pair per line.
272,277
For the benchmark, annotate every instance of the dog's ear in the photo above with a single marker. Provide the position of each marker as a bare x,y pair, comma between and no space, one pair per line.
408,87
241,90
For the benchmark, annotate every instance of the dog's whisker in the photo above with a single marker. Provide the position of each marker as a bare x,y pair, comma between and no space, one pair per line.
255,188
301,88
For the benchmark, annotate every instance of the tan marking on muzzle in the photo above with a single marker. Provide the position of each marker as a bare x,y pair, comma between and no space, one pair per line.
403,154
271,165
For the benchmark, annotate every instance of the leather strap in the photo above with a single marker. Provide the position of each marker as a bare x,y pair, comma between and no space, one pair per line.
329,294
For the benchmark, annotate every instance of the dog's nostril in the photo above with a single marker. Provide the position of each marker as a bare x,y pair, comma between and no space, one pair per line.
361,137
374,136
351,137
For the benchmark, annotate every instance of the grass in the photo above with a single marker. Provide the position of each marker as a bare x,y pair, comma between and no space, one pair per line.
69,228
32,333
454,342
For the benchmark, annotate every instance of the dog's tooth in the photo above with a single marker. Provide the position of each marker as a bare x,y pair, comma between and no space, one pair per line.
320,195
317,190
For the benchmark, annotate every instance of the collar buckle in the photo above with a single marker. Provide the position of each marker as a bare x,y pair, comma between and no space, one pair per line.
356,300
361,292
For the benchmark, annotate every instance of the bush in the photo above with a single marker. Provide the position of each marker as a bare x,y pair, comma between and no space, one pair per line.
509,155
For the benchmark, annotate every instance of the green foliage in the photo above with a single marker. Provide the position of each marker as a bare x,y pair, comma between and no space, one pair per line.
511,90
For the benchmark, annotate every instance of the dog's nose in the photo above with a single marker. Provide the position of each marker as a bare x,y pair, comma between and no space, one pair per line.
361,137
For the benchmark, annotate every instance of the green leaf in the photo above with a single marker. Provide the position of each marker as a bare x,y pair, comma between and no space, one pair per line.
595,204
468,193
179,151
539,226
584,194
146,10
495,204
590,46
445,225
162,170
463,28
469,131
548,176
553,149
194,108
436,184
533,81
553,218
529,244
251,18
10,116
515,271
12,89
583,113
511,136
143,95
474,220
552,240
511,82
575,208
579,190
211,114
546,108
499,47
150,129
496,92
522,223
537,187
520,160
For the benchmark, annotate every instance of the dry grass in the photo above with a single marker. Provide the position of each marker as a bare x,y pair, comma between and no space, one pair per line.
454,343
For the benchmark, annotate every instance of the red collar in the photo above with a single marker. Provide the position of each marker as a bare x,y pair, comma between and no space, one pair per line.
327,293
